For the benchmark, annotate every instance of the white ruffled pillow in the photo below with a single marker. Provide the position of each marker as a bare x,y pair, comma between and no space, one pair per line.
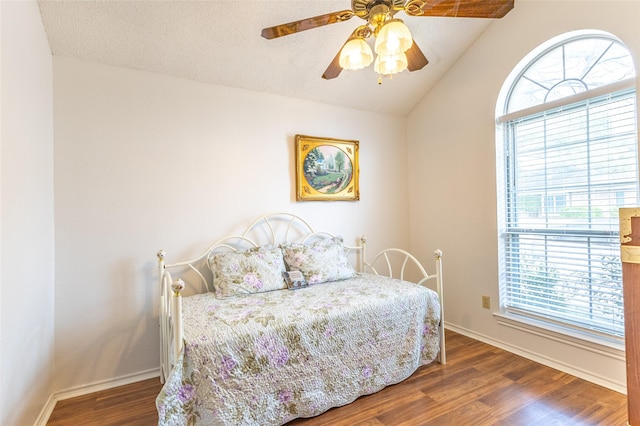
255,270
319,262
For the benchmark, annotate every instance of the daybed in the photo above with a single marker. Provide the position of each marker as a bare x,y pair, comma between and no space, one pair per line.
243,349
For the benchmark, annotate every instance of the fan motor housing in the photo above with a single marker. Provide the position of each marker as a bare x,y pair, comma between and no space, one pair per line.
362,8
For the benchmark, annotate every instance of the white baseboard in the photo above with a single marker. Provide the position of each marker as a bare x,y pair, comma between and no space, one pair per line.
544,360
43,418
46,411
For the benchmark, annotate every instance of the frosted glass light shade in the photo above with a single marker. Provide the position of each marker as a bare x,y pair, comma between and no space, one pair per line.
394,37
390,64
356,54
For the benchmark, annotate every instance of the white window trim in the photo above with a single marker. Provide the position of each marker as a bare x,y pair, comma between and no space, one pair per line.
602,346
629,83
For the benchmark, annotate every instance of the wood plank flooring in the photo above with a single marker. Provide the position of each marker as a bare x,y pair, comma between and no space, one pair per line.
479,385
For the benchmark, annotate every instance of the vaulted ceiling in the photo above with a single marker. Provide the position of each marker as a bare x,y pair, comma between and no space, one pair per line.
219,42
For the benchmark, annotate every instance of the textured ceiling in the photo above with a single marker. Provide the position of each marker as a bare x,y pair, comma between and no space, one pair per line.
219,42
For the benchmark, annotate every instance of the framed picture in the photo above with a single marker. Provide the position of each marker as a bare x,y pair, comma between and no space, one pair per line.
326,169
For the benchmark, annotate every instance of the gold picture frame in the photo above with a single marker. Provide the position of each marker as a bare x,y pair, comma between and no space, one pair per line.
326,169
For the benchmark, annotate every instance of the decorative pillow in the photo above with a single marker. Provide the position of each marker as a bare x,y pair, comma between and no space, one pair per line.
319,262
255,270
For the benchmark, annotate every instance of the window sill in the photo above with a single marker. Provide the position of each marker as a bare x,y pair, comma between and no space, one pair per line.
599,345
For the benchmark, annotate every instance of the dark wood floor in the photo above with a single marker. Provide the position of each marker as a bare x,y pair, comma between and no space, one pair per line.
479,385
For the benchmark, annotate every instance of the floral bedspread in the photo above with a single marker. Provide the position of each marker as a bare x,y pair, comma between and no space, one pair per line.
267,358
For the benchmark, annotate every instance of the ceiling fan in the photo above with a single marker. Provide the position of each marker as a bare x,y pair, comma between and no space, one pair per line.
399,53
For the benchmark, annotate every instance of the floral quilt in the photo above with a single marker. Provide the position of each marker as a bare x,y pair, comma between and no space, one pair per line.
267,358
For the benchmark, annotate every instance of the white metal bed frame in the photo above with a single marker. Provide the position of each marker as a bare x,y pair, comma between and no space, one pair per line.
278,228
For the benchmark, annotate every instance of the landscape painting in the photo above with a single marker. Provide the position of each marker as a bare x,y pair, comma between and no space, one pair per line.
326,169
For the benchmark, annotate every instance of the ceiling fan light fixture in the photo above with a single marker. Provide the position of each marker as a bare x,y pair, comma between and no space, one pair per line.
356,54
390,64
391,35
394,37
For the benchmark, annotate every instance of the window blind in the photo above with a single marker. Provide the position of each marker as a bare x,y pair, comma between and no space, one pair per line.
567,171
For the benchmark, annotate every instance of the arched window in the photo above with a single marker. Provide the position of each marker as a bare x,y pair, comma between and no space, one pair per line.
567,160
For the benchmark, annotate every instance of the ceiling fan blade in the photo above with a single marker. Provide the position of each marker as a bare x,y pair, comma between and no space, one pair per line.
459,8
415,58
306,24
334,69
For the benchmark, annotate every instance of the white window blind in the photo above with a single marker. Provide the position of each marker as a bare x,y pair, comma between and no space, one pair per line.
567,171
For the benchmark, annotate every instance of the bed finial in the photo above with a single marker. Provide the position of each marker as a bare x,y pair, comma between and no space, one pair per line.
161,254
437,253
363,254
177,286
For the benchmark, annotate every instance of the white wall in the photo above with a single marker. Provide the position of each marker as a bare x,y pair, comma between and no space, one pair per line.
26,215
451,138
145,161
